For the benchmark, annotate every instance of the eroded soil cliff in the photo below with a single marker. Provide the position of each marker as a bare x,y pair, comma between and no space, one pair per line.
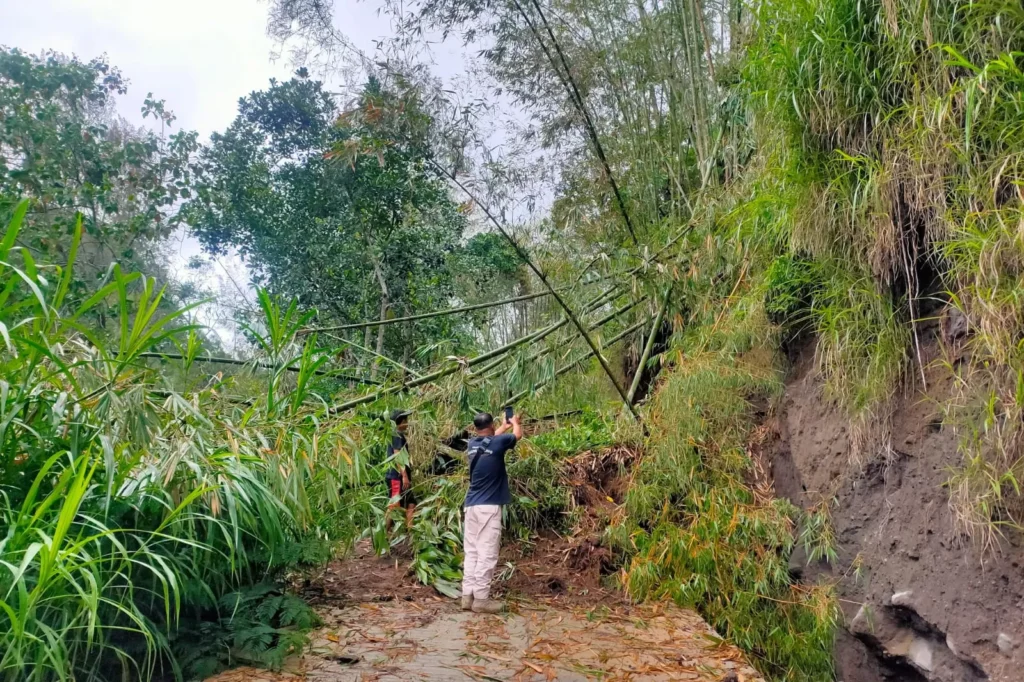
919,603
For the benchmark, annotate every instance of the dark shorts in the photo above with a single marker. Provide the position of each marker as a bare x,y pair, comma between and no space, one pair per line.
406,498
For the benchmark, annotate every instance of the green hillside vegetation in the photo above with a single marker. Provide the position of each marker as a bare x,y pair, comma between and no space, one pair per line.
732,179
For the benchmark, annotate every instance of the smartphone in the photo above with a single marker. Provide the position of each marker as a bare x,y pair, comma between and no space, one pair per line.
508,413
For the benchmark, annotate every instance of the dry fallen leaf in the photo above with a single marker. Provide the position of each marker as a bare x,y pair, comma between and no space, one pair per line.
534,666
493,657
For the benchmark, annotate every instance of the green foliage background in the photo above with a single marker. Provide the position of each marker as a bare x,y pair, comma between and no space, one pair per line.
826,169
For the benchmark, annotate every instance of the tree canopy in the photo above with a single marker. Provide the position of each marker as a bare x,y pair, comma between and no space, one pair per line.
337,208
63,145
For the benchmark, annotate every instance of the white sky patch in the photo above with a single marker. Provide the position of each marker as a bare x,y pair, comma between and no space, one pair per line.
200,56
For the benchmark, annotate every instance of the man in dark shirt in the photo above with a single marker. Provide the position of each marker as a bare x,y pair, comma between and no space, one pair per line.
399,476
488,492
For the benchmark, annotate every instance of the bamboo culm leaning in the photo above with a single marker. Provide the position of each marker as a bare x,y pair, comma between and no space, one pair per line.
289,366
441,373
433,376
595,303
574,363
427,316
544,280
649,346
593,327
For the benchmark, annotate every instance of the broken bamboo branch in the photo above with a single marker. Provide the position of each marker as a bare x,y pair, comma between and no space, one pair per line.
544,280
573,363
433,376
255,363
649,346
427,316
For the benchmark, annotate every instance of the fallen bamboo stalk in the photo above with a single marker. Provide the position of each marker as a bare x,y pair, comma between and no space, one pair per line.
544,280
255,363
593,327
594,304
433,376
649,346
374,353
427,316
573,363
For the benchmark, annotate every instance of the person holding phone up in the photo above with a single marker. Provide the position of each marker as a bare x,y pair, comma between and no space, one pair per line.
488,492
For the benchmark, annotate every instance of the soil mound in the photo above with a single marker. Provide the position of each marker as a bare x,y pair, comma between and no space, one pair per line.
571,569
575,568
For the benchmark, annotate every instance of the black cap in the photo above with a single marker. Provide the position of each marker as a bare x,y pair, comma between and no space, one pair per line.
399,415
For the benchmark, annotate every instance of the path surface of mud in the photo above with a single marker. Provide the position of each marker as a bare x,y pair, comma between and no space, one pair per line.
380,625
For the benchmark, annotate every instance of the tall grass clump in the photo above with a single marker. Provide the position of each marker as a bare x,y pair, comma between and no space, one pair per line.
694,529
862,354
138,492
902,122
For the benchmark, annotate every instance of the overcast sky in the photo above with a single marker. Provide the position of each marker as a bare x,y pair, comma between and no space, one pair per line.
198,55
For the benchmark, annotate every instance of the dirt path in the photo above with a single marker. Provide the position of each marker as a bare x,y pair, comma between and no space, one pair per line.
381,625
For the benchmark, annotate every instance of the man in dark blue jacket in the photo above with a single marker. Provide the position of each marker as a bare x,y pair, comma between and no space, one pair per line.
488,492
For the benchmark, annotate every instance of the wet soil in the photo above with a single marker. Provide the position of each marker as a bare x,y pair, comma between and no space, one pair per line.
565,622
918,602
559,571
380,624
437,641
574,568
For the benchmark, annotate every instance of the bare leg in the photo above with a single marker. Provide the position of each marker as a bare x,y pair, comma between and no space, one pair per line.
387,518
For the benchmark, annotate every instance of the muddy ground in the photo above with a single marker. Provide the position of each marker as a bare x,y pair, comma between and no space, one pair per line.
565,621
379,624
921,605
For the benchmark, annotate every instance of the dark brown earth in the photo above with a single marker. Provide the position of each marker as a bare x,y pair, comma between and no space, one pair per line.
553,569
563,623
924,607
574,568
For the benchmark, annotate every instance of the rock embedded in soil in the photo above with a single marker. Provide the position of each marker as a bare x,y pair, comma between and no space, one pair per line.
903,598
1005,643
920,653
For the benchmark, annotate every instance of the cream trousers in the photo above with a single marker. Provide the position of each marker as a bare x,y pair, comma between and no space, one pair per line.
481,541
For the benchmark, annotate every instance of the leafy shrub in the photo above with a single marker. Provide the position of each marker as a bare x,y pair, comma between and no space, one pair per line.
540,497
131,507
587,431
695,532
790,285
437,536
256,625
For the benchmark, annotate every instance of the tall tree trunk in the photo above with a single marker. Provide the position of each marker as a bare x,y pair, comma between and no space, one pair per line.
385,302
366,336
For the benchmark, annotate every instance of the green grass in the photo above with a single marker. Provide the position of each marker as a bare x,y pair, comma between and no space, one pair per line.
902,123
134,498
694,530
